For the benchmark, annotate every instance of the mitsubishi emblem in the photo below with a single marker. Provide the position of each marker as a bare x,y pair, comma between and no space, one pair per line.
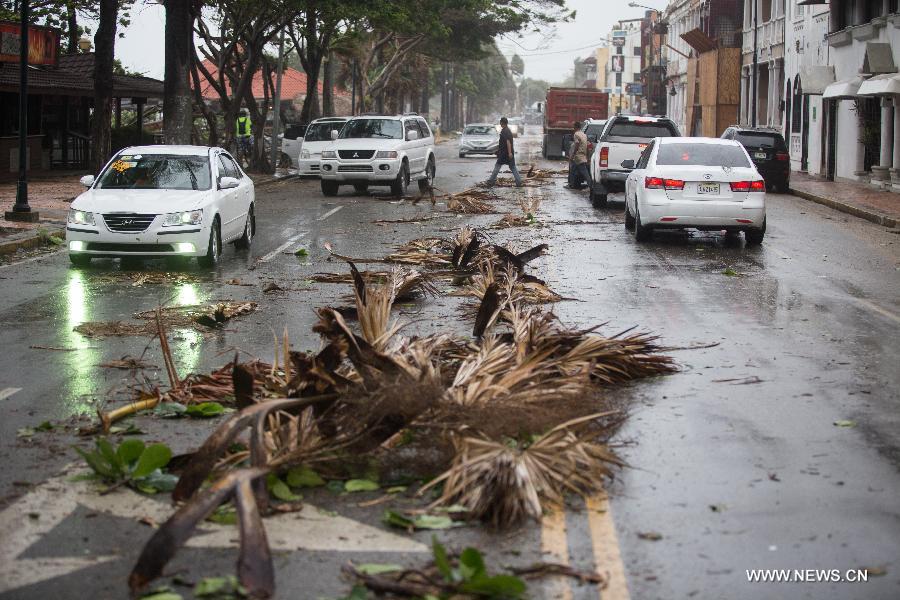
355,155
708,176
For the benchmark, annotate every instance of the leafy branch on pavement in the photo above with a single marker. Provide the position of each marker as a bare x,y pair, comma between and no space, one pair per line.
448,576
132,464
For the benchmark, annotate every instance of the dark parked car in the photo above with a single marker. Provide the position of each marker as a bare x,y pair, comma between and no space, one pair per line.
768,152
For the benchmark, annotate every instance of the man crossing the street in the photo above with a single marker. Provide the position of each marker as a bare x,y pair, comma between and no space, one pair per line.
578,162
505,155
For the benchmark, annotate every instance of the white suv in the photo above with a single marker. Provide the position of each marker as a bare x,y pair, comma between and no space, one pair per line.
379,150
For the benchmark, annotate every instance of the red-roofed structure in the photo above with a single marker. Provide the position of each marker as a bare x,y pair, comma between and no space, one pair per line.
293,85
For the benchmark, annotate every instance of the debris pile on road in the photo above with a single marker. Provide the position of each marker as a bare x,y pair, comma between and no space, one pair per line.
472,202
514,417
529,206
199,317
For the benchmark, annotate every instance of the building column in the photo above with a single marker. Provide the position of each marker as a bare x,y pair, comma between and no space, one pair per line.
745,95
777,93
895,171
880,175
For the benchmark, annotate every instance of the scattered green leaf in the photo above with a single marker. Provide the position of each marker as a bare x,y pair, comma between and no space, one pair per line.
397,489
224,515
845,423
280,489
361,485
45,426
25,432
204,410
378,568
396,519
170,410
301,252
730,272
304,476
221,588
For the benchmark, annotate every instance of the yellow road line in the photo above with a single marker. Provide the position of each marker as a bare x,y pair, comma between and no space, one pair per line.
555,548
605,544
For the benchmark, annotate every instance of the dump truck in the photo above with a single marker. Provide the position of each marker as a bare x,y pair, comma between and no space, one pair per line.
564,106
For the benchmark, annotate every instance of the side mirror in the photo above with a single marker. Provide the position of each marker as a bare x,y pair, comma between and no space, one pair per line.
628,164
334,134
87,180
412,135
592,139
228,183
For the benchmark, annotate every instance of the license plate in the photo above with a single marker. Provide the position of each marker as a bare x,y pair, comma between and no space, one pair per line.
761,155
707,188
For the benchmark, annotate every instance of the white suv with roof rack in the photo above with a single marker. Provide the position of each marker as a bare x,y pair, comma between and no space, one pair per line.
379,150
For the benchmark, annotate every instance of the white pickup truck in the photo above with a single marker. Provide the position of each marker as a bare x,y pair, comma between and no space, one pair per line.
623,138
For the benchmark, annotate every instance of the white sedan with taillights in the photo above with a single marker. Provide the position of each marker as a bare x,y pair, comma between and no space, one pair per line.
698,183
162,201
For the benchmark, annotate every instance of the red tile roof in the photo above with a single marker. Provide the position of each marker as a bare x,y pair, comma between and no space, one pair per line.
293,84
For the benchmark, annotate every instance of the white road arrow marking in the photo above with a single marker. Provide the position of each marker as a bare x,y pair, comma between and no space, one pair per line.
46,506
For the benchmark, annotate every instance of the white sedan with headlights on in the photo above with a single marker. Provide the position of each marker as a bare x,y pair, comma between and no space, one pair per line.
479,138
698,183
163,201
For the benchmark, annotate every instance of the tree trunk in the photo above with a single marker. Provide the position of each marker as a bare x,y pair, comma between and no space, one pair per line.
423,99
72,24
177,106
328,86
211,123
104,44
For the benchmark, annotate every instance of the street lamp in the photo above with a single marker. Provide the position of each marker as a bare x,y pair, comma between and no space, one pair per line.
84,44
21,211
650,66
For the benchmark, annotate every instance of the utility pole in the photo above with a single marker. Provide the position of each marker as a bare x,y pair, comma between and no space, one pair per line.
276,118
21,211
353,95
755,61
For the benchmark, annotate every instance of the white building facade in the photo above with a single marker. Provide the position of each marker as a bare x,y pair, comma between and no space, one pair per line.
862,106
807,73
680,16
624,68
764,20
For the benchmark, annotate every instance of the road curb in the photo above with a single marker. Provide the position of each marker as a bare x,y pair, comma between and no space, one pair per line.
28,240
851,209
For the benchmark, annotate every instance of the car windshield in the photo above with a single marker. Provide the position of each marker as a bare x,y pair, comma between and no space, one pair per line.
702,155
373,128
321,132
594,128
157,172
760,140
639,131
480,130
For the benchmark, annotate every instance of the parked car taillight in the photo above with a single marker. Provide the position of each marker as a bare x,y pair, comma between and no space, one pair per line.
748,186
653,183
782,156
604,156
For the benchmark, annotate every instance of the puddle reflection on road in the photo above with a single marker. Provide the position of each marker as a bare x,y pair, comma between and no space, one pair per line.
78,388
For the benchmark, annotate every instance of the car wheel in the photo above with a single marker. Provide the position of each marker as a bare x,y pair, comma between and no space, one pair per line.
398,186
755,237
597,200
629,218
80,260
425,184
641,233
330,188
361,188
214,248
246,240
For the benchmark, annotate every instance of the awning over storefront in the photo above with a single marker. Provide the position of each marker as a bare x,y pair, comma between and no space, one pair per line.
815,79
846,88
881,85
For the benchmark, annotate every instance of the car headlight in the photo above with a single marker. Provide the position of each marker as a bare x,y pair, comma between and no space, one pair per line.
386,154
304,154
191,217
80,217
329,154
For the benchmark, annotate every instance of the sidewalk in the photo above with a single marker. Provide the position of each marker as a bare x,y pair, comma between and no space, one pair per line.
49,195
853,198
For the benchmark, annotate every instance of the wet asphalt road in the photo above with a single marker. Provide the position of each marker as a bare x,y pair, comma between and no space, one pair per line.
736,460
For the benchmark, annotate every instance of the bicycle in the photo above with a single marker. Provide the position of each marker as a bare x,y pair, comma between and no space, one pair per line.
243,150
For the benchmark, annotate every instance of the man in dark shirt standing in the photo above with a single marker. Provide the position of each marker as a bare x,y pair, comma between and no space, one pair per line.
505,155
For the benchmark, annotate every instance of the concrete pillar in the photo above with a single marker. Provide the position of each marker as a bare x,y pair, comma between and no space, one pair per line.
895,171
880,175
777,91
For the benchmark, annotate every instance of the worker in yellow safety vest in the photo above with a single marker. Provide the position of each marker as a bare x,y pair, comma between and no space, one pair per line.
242,131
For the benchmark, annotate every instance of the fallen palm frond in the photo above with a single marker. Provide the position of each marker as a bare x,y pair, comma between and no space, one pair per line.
472,201
485,412
203,318
505,484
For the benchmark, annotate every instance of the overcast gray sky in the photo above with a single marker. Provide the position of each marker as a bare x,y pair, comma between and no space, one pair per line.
547,54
